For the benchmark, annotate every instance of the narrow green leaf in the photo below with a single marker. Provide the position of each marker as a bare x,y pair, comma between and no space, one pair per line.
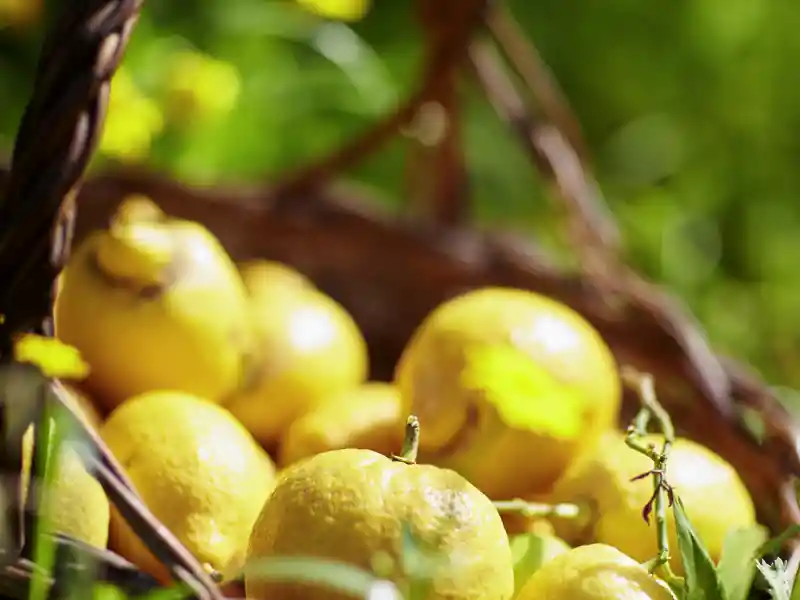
737,565
795,585
334,575
701,579
773,547
530,551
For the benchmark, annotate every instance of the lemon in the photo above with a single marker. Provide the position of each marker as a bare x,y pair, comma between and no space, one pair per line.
84,406
714,497
367,417
594,572
196,468
265,277
154,303
309,348
75,503
352,505
510,387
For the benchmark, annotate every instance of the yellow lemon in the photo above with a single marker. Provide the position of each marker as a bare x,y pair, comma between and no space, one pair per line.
265,277
154,303
196,468
352,505
714,497
74,504
309,348
368,417
510,387
594,572
84,406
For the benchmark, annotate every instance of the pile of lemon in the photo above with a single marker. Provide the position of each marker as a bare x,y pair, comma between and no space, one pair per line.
238,400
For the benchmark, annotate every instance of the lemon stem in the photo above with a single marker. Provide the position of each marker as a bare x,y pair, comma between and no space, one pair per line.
410,443
644,386
540,509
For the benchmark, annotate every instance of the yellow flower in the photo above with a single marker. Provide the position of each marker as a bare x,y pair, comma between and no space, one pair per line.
339,10
53,357
200,86
132,122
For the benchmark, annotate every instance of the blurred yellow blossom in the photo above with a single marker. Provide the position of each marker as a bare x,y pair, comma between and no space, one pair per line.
20,13
339,10
200,86
132,122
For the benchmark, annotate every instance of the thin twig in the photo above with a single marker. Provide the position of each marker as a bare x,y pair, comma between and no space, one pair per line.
594,233
523,56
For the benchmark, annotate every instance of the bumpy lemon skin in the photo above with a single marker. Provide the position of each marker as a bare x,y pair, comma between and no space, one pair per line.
462,431
594,572
368,417
308,348
192,337
714,497
350,505
197,469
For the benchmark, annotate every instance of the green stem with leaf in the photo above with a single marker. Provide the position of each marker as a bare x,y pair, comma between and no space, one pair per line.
652,410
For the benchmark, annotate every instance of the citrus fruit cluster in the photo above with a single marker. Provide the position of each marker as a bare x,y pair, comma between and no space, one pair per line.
238,399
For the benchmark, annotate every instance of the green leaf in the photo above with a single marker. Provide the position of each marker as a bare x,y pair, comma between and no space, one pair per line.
701,579
795,586
525,395
107,591
737,565
774,546
530,551
334,575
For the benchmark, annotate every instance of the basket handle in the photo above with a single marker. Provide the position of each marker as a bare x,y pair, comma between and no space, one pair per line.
57,137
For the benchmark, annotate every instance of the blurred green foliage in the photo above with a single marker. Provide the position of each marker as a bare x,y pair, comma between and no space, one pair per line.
690,109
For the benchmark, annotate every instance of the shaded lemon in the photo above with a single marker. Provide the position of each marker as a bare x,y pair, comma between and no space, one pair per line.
196,468
265,277
510,387
84,406
309,347
74,504
353,505
594,572
154,303
713,496
368,417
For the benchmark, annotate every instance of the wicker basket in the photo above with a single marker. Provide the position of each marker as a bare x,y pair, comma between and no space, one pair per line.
388,272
